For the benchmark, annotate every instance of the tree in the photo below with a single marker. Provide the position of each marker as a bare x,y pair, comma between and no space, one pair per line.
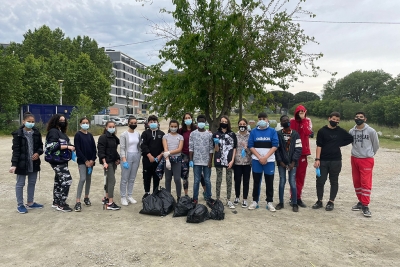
305,96
285,99
226,52
83,109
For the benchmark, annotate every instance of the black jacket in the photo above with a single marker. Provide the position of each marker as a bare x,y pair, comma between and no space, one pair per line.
331,140
20,151
152,143
107,148
294,152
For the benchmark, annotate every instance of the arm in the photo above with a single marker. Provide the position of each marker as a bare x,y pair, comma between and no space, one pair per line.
347,138
101,149
317,157
79,153
375,142
179,149
15,151
235,143
40,147
122,146
216,146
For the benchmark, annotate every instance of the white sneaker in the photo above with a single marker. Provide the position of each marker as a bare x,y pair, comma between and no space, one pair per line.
236,202
244,204
131,200
230,204
270,207
124,202
253,206
168,165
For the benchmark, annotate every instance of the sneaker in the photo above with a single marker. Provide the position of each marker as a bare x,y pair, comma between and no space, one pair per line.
104,201
329,206
124,202
54,205
357,207
317,205
145,195
64,208
204,195
22,209
270,207
236,202
366,212
131,200
195,201
279,206
113,206
230,204
253,206
34,206
87,201
295,208
301,203
244,204
78,207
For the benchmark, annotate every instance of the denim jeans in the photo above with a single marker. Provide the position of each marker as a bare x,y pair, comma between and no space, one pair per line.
292,183
19,187
198,170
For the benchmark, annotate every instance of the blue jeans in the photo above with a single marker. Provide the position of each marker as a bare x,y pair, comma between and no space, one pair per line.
292,183
197,170
19,187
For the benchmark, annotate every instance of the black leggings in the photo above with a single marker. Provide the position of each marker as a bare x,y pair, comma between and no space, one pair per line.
269,183
239,171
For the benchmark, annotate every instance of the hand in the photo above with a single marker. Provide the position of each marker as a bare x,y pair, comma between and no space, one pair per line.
159,157
125,165
291,166
318,172
91,163
168,165
35,156
317,163
216,141
263,160
209,165
282,164
87,164
151,158
230,164
117,161
156,159
12,169
191,164
105,165
166,154
72,148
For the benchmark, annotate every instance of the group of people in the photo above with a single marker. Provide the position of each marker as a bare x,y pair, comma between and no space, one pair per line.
190,145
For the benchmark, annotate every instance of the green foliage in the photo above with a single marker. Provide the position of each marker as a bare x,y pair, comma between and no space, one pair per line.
83,109
305,96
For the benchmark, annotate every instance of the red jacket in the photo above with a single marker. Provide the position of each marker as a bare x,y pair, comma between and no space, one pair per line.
304,128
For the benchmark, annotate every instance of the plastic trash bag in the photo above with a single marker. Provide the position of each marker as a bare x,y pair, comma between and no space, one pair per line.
152,205
183,206
168,201
198,214
217,211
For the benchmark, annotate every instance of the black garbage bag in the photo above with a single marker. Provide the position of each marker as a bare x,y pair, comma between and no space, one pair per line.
183,206
217,211
168,201
198,214
152,205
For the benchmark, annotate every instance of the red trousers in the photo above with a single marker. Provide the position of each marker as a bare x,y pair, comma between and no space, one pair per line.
362,178
301,174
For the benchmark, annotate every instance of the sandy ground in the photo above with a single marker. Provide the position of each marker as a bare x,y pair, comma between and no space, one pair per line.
95,237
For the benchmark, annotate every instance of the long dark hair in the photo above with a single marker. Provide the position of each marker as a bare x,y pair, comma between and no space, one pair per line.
229,123
53,122
184,126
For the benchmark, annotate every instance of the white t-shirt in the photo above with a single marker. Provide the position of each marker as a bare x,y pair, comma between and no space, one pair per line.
173,142
133,142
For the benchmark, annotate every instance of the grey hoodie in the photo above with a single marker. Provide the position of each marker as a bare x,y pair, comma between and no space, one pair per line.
365,142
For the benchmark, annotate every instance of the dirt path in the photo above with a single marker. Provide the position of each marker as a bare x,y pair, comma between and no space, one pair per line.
95,237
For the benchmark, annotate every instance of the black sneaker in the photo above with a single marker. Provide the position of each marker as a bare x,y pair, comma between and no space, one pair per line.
236,202
366,212
329,206
78,207
301,203
145,195
279,206
357,207
87,202
295,208
113,206
104,201
317,205
64,208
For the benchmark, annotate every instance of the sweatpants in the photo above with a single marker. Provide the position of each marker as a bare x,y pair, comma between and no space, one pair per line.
361,169
239,172
331,168
62,183
19,187
176,172
229,172
301,175
128,176
110,180
149,173
83,177
269,171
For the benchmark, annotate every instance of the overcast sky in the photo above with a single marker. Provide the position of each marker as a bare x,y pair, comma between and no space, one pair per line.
346,47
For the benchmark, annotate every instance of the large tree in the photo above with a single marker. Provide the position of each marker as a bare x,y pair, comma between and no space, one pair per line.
305,96
225,52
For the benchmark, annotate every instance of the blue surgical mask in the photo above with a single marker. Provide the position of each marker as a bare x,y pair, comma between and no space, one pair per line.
29,125
111,130
153,125
263,124
188,122
85,126
201,125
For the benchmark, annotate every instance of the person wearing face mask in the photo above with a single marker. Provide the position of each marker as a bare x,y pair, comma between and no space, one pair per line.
152,152
364,147
107,151
86,152
173,144
58,153
303,125
27,146
263,142
130,153
330,139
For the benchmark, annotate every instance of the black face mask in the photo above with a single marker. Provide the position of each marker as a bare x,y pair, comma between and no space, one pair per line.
132,126
285,124
242,128
223,125
359,121
333,123
62,124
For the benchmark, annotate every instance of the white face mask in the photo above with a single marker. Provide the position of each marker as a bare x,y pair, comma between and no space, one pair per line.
173,129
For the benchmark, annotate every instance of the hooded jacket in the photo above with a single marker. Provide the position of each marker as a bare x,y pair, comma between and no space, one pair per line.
304,128
365,142
107,148
294,152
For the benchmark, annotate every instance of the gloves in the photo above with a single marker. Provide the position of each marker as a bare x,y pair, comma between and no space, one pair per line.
166,154
89,170
191,163
73,156
243,153
156,159
168,165
125,165
318,172
216,141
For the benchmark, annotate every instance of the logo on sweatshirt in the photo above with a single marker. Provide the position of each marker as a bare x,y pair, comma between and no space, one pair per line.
263,138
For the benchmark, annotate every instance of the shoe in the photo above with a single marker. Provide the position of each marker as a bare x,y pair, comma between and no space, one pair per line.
124,202
279,206
244,204
34,206
301,203
78,207
317,205
22,209
230,204
329,206
113,206
104,201
64,208
195,201
54,205
366,212
87,201
236,202
204,195
270,206
253,206
131,200
145,195
295,208
357,207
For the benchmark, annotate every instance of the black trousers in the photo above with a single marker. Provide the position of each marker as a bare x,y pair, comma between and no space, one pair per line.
240,171
149,173
331,168
269,183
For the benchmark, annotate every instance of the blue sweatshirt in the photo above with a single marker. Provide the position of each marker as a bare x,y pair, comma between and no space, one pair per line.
263,140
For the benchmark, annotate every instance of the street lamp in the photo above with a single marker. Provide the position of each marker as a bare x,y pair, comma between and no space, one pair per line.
60,82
